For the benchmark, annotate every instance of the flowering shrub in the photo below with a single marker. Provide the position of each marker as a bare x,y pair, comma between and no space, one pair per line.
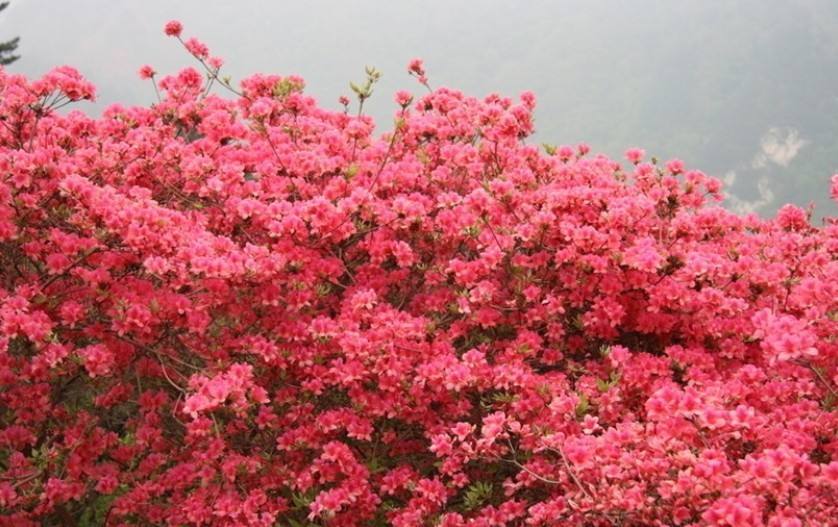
256,312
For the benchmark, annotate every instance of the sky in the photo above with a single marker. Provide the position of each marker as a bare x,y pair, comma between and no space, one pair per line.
744,91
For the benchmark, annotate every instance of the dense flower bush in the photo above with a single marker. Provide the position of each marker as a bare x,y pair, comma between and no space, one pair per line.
254,311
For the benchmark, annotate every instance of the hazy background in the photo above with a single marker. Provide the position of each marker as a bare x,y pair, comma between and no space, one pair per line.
746,91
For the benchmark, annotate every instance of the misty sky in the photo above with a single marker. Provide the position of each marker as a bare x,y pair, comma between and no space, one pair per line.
746,91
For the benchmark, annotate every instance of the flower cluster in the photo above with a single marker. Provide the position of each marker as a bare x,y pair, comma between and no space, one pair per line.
251,311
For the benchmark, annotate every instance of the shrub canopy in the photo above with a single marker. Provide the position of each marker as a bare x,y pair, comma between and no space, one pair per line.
254,311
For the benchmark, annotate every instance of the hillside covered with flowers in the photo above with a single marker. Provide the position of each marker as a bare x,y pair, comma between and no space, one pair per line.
237,308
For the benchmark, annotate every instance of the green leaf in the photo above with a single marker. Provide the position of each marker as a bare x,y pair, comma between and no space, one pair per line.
351,171
285,87
296,523
504,397
603,385
302,500
97,512
830,402
477,494
583,406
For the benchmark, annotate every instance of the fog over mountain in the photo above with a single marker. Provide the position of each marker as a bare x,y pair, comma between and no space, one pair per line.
746,91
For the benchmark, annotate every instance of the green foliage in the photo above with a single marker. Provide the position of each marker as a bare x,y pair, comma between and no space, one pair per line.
287,86
477,494
583,406
364,91
302,500
297,523
605,385
8,47
96,512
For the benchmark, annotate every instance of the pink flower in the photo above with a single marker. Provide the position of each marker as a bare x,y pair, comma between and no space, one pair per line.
215,62
565,152
237,310
417,67
582,149
528,98
675,166
635,155
98,359
197,48
173,28
462,430
146,72
403,98
643,255
441,445
791,217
